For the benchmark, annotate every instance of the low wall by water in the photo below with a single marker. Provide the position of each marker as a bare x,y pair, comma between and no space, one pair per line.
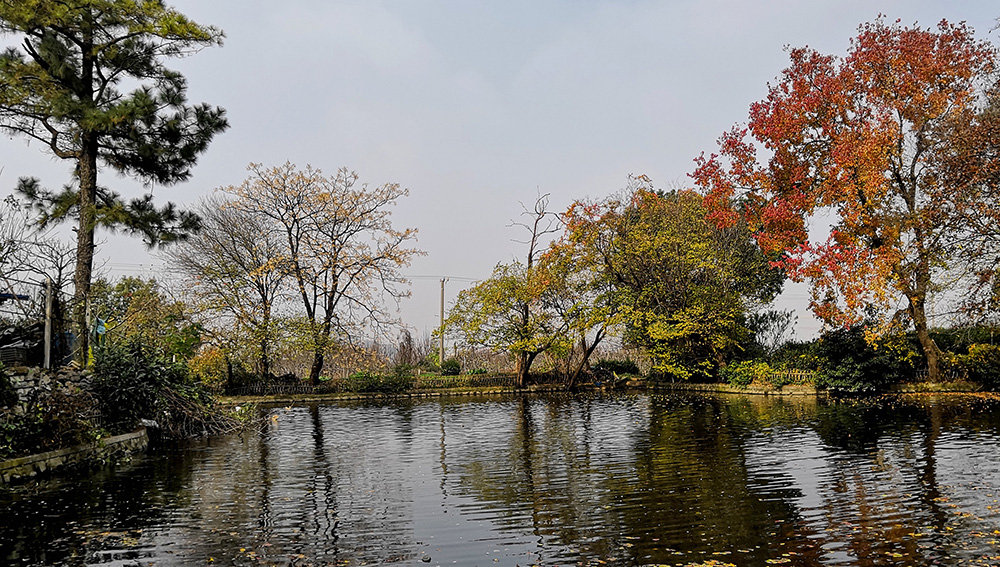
32,465
787,390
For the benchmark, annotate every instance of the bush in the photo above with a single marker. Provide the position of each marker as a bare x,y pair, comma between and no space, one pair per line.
371,383
209,368
477,371
746,372
53,420
849,364
451,367
617,366
132,384
127,382
402,370
983,364
8,396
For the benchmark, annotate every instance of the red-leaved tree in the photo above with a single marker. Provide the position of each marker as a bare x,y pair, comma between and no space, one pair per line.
876,140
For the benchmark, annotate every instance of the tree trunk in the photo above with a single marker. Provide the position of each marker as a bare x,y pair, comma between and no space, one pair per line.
87,172
265,360
316,368
585,363
930,348
522,366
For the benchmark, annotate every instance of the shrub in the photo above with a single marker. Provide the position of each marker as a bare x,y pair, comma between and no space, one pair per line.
849,364
52,420
132,384
747,372
617,366
451,367
983,364
127,382
402,370
476,371
371,383
209,368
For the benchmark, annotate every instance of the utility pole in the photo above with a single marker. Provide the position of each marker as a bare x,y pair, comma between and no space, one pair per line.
441,337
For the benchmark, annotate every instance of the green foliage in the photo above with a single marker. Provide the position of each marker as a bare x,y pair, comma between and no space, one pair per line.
476,371
129,381
746,372
132,383
796,354
509,312
8,397
681,286
53,420
75,106
138,310
372,383
403,370
983,364
451,367
617,366
848,363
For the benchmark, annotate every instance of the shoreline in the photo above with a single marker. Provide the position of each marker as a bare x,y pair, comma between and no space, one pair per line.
631,385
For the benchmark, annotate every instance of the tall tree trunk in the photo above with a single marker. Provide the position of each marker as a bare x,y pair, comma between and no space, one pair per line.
931,352
265,360
87,172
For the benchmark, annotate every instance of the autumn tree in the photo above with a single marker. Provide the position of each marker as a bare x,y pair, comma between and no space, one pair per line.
340,249
581,294
508,312
63,86
680,287
236,270
511,311
876,141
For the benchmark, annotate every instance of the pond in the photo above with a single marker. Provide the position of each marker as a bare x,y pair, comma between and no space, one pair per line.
554,480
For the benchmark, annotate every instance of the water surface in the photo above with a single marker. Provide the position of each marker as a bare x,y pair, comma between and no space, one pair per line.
557,480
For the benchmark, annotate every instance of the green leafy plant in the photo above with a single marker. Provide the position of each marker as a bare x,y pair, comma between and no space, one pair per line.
983,364
372,383
451,367
617,366
51,420
848,363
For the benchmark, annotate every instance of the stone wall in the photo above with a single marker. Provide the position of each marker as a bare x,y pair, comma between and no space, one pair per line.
117,446
29,382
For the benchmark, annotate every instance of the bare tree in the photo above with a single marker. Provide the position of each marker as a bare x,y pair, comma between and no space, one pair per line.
341,250
236,268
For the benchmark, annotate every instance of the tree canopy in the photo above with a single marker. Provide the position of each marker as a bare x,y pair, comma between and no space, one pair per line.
680,287
878,140
64,86
338,247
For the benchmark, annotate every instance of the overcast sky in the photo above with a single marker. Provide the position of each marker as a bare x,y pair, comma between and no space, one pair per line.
478,106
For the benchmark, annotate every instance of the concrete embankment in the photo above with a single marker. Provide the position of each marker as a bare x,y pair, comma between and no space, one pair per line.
81,455
787,390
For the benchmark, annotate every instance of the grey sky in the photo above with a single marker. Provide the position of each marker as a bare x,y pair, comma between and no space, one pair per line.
476,106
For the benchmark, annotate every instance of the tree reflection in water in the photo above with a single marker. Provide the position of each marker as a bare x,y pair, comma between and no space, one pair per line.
631,480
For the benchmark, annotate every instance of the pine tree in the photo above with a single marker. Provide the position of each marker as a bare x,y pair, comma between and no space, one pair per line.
64,86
